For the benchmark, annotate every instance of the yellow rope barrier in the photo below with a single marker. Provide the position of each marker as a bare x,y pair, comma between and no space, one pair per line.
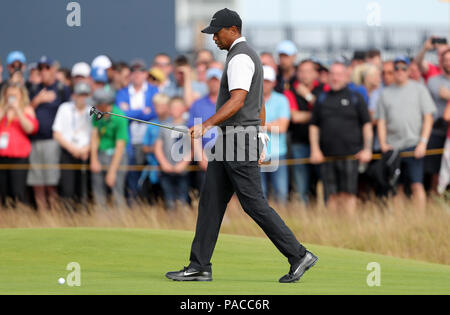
288,162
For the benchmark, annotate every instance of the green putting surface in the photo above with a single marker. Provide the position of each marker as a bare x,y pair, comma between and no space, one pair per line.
130,261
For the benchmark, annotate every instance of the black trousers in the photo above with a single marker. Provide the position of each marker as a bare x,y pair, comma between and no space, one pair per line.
13,182
223,178
73,183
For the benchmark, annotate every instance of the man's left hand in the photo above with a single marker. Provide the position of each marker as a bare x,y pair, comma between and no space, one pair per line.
364,156
262,157
198,131
420,150
110,178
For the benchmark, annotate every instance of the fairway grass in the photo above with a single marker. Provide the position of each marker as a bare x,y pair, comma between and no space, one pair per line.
132,261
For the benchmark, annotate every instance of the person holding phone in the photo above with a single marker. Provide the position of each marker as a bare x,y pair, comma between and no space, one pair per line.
17,122
428,69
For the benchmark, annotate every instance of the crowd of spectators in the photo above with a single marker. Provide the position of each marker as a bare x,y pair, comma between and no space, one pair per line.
336,114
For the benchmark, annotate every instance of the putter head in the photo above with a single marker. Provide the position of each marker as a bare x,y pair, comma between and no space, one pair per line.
96,112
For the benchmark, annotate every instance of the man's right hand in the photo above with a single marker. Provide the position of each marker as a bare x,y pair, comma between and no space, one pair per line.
317,156
45,96
428,45
167,168
124,106
386,147
95,166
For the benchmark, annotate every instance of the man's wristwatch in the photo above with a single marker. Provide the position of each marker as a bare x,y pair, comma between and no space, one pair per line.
309,97
424,140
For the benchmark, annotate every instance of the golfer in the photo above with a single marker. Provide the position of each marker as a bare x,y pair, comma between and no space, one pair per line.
239,104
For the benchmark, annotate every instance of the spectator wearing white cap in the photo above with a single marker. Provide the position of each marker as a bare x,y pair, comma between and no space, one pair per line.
105,63
99,79
101,61
80,73
277,123
287,53
72,130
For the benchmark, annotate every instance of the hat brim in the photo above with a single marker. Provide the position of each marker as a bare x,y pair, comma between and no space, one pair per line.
211,29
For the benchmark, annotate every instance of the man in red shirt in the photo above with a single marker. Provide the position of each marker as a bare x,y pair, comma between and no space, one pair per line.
17,122
427,68
302,96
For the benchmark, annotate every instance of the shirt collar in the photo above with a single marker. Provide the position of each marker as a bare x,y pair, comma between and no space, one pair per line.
142,90
237,41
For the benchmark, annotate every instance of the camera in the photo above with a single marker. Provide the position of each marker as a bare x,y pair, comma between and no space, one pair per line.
439,40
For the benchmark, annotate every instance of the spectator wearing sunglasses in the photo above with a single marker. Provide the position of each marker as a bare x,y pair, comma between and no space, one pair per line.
45,150
163,62
202,61
405,119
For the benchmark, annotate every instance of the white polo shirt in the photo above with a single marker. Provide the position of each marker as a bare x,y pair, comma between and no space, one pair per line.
240,70
75,126
137,102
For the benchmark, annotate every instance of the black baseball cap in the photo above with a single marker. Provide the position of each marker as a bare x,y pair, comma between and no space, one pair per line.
221,19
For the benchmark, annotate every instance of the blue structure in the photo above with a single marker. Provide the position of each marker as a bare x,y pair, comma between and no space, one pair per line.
123,30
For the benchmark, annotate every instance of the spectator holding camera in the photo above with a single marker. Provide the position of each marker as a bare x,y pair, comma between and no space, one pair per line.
17,122
428,69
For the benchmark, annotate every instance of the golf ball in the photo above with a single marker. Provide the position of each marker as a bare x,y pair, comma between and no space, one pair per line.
61,280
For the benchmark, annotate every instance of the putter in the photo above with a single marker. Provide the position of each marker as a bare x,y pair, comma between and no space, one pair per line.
99,115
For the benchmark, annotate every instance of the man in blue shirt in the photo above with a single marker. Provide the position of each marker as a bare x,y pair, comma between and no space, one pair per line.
277,123
161,103
201,111
136,101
